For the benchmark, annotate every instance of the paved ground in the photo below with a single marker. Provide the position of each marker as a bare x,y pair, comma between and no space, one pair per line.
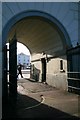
56,103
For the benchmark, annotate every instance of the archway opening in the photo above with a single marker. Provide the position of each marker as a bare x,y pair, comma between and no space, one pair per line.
24,58
47,44
45,40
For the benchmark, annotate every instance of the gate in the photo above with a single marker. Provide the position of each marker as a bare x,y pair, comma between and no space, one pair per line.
13,69
4,80
73,59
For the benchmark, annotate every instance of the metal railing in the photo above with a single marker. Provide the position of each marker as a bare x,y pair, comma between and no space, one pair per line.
73,81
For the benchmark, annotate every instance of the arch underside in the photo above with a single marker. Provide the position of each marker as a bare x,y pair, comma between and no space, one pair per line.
39,36
45,39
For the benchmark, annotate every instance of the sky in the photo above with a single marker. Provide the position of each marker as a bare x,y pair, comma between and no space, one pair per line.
22,49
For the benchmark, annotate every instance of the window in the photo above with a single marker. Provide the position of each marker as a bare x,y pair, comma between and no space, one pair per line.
61,64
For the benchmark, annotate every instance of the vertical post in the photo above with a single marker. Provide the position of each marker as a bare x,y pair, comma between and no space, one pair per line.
43,60
13,69
4,80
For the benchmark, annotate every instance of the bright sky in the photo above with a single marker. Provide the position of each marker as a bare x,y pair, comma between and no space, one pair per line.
22,49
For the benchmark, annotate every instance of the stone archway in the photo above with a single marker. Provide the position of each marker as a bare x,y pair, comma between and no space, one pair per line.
54,37
27,14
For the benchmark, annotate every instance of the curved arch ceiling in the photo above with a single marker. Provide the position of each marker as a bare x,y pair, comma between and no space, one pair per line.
38,35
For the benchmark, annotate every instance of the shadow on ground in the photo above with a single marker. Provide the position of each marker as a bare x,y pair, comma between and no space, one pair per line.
31,80
20,110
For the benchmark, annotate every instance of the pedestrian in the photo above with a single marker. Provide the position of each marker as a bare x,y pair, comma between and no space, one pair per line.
19,70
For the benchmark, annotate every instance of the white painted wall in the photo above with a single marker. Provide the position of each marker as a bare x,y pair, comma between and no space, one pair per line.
37,70
56,77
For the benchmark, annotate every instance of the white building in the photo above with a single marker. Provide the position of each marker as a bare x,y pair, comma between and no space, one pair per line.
23,59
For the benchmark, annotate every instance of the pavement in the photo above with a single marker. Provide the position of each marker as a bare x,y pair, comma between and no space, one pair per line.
39,100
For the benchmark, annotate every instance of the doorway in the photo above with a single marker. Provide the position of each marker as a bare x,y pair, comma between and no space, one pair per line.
43,60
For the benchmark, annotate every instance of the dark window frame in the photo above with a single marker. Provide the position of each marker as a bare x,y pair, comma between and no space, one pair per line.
61,64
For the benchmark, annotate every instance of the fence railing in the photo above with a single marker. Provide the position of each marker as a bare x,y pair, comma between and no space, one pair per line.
73,82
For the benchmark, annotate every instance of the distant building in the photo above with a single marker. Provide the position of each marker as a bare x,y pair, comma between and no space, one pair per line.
24,60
